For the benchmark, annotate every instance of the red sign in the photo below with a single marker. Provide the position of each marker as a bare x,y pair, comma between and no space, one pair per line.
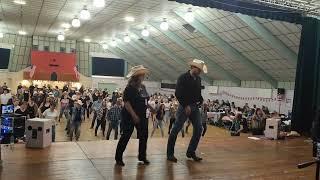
53,66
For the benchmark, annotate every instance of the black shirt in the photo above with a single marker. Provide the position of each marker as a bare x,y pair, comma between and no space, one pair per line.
31,111
24,113
188,90
138,99
94,97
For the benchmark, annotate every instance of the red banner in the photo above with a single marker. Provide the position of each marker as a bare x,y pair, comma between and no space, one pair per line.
53,66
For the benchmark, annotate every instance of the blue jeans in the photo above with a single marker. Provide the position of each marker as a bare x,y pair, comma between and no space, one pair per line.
181,118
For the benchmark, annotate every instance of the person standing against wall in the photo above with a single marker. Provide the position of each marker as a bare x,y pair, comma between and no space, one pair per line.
188,93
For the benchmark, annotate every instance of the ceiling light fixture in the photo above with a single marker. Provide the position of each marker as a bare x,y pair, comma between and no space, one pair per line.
189,16
21,2
85,14
113,43
164,25
126,38
145,32
99,3
1,35
105,46
66,25
76,22
87,40
129,18
21,32
60,37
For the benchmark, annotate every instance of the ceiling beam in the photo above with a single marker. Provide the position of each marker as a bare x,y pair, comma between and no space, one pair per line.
154,60
267,36
178,61
212,65
228,50
159,73
131,60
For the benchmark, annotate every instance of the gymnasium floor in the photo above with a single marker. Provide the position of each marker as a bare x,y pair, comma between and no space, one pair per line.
225,158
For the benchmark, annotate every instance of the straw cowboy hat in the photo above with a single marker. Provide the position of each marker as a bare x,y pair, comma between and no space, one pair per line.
137,70
199,64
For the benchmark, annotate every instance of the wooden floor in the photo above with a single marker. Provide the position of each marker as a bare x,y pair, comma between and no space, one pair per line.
225,157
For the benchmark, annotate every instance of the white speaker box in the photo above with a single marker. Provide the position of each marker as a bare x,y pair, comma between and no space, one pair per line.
38,133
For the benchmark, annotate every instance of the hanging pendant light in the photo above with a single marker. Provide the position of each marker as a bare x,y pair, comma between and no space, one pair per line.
189,16
99,3
145,32
164,25
85,14
60,37
76,22
126,38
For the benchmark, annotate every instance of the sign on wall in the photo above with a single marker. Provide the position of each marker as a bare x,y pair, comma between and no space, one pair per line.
53,66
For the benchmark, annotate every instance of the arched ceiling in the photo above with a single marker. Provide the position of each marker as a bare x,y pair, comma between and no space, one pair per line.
241,52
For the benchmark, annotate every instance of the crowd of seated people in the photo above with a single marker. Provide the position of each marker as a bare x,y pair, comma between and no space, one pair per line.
253,118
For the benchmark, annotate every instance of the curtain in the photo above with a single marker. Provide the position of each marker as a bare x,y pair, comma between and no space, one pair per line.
307,86
248,8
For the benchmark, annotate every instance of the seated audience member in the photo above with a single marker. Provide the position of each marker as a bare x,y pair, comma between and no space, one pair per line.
52,114
275,114
254,106
235,128
265,110
233,106
258,122
23,109
246,108
204,118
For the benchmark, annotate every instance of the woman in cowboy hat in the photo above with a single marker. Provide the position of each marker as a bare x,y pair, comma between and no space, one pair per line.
188,93
135,99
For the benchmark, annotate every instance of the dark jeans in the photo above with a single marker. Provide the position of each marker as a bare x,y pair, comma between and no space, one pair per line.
172,120
103,126
127,129
93,119
115,132
195,119
204,126
187,126
75,129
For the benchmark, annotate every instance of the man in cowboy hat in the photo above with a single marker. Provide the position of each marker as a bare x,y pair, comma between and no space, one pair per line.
188,93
